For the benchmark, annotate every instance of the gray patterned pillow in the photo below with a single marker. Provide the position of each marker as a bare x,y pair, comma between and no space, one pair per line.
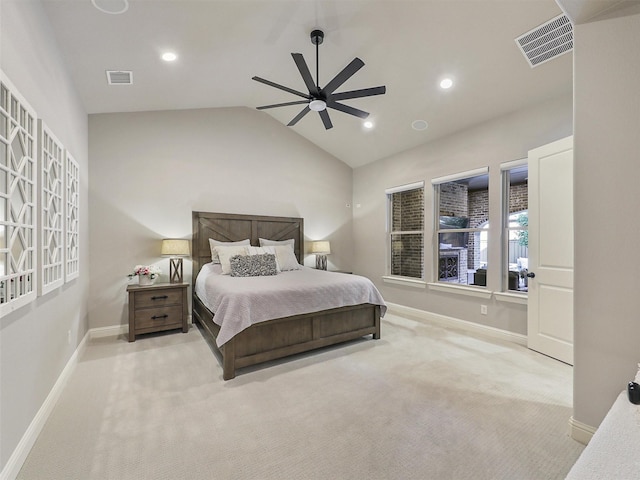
253,265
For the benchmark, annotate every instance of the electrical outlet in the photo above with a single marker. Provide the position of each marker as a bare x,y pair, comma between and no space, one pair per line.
483,309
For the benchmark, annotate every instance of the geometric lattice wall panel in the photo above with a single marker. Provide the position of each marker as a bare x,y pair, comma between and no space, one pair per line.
72,219
18,190
51,229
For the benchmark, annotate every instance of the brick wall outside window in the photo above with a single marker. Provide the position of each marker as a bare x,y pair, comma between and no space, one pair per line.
407,250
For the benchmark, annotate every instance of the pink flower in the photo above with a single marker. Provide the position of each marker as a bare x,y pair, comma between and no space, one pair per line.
150,270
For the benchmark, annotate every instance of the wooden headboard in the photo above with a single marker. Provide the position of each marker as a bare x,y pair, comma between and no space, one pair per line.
229,227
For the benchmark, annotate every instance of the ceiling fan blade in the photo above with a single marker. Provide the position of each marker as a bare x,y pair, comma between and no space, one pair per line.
297,118
355,65
365,92
324,115
281,87
347,109
297,102
304,71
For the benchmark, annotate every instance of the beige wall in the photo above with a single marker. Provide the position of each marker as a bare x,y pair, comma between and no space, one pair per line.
33,340
607,167
490,144
150,170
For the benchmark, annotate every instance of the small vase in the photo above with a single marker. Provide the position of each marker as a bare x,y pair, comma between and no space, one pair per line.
145,280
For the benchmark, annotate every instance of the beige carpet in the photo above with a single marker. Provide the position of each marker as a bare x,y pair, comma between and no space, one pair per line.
421,403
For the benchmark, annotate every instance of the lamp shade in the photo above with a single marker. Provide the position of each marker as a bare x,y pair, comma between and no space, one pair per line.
321,248
175,247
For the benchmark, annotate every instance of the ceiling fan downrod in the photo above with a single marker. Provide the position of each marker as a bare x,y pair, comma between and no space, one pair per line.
317,37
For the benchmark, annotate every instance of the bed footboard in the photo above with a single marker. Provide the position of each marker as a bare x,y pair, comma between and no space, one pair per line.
282,337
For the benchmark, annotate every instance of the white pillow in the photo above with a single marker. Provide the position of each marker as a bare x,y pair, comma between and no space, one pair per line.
285,258
214,243
262,251
273,243
225,253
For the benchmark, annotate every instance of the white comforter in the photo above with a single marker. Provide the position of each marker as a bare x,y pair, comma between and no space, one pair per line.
239,302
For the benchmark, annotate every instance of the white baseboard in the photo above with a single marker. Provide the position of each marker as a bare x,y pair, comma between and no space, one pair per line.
111,331
19,455
580,432
456,323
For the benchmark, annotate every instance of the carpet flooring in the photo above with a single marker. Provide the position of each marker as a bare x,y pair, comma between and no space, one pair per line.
423,402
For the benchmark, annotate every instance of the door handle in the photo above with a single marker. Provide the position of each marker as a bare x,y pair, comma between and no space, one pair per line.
531,275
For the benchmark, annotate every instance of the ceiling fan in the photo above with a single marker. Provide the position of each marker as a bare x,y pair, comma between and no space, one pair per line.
319,99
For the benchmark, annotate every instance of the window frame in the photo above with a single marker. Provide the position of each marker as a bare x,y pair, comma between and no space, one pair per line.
505,228
389,276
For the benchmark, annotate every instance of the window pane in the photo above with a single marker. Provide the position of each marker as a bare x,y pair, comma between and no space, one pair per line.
459,264
517,254
408,210
463,231
407,255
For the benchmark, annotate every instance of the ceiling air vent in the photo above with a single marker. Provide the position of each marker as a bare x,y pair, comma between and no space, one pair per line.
119,77
547,41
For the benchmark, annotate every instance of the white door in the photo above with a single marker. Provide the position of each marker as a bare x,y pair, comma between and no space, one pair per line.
550,303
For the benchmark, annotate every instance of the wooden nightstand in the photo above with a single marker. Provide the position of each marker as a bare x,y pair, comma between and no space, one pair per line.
154,308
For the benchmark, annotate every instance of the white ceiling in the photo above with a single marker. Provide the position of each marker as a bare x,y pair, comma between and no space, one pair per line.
406,45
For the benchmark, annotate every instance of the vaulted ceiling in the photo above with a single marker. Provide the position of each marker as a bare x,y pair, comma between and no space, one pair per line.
408,46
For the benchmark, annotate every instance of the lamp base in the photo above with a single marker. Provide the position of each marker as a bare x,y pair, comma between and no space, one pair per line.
321,262
175,270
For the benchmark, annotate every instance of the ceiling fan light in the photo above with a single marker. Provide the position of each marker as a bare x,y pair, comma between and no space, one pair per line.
446,83
317,105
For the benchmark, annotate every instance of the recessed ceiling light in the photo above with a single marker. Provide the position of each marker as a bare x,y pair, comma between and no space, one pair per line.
419,125
169,56
446,83
368,124
112,7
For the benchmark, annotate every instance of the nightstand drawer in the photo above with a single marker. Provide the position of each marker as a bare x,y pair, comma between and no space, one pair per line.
158,298
158,317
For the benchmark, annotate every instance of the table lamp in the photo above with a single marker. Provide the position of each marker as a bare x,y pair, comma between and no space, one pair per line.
175,248
321,249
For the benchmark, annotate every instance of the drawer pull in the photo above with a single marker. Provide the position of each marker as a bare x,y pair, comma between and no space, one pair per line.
160,297
155,317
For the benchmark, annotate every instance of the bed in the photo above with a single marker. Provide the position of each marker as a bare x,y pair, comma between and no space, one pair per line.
277,337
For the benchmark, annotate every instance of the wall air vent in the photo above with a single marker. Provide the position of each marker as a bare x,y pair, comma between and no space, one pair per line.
119,77
547,41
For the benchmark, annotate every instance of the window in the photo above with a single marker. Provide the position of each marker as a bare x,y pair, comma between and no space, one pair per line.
516,222
405,207
462,214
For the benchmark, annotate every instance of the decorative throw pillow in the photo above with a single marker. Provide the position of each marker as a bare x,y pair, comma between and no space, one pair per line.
261,251
273,243
286,258
214,243
253,265
225,253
